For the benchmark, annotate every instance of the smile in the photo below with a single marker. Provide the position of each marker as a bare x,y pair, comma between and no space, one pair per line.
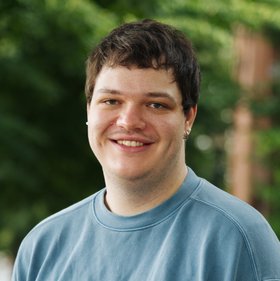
130,143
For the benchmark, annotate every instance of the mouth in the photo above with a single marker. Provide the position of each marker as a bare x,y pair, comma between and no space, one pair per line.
130,143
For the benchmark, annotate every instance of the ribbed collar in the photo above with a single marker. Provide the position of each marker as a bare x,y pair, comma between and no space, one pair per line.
149,218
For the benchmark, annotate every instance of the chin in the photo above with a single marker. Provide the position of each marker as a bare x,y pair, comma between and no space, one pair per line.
129,174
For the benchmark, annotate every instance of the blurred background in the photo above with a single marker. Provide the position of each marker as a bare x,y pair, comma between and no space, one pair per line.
45,160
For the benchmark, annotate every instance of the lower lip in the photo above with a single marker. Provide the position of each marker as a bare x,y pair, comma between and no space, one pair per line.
131,149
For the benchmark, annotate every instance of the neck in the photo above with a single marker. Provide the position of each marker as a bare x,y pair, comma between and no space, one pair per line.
129,197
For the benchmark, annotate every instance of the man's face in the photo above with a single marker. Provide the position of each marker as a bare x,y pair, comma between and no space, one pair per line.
136,123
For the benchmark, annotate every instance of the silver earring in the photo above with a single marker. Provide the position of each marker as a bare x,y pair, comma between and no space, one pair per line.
186,134
86,123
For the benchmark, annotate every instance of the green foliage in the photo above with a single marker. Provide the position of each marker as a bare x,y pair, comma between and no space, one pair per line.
129,9
46,163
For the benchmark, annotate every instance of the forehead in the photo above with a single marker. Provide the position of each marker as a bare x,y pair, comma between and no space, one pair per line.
136,80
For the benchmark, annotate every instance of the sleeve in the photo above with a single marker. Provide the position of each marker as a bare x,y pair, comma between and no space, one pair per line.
20,266
264,248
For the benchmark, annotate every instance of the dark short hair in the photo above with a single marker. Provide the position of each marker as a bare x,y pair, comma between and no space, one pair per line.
148,44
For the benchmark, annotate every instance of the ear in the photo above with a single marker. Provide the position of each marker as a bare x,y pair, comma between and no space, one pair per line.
190,117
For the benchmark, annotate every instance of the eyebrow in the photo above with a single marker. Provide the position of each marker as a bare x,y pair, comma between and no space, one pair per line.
108,91
161,95
148,94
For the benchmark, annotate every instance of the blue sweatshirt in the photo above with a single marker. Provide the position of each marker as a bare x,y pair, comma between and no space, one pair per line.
201,233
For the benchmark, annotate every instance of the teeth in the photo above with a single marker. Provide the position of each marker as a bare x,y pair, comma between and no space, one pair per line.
130,143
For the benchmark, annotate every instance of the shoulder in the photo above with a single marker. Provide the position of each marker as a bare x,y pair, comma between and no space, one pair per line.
215,202
70,211
71,217
233,209
53,237
243,225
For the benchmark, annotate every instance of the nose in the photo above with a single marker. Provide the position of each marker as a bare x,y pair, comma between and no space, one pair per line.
131,118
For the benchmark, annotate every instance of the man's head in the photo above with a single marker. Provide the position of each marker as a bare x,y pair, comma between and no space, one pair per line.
148,44
142,89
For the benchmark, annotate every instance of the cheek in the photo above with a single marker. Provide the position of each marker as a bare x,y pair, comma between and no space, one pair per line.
97,119
93,124
98,124
172,128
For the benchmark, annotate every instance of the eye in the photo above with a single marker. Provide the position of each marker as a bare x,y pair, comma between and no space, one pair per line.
157,105
111,102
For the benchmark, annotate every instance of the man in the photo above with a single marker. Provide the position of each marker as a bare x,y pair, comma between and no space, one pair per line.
155,220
